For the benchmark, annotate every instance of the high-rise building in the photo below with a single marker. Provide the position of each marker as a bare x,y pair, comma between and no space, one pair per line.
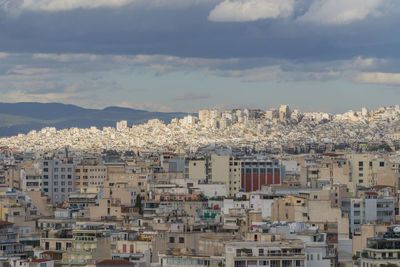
284,112
58,178
121,125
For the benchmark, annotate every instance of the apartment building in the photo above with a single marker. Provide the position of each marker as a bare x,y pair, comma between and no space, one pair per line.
371,208
382,250
289,253
58,178
91,243
89,176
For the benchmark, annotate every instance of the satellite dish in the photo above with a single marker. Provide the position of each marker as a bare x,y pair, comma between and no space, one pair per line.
396,229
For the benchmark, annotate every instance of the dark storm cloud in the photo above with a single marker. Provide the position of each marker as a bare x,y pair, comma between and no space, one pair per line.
187,32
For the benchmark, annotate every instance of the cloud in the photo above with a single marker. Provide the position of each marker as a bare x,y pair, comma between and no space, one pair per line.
341,11
191,96
164,64
64,57
251,10
14,6
29,71
378,78
56,5
3,55
149,106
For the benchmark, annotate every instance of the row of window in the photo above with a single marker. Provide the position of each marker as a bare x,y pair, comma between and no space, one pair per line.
92,170
63,190
269,263
57,169
361,164
55,176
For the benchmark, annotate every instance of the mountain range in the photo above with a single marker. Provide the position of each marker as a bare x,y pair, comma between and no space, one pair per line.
23,117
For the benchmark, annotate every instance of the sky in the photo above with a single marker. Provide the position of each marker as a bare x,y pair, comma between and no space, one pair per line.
184,55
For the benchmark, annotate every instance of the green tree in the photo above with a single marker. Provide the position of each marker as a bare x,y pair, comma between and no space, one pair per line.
139,204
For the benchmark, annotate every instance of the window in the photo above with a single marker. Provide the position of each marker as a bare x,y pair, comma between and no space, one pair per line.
55,183
261,252
381,164
263,263
181,240
46,169
360,164
58,246
56,169
62,176
62,169
55,176
240,263
172,239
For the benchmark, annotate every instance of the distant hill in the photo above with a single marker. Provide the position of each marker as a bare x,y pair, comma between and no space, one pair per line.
23,117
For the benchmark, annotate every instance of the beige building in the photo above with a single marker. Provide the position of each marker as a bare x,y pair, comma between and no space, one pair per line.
366,231
257,254
89,176
91,243
195,169
372,169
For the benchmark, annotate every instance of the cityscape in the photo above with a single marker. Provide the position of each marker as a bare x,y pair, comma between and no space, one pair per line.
199,133
240,187
275,130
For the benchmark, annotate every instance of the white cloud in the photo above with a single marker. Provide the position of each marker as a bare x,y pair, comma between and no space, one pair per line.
15,6
251,10
55,5
3,55
163,64
65,57
23,70
341,11
378,78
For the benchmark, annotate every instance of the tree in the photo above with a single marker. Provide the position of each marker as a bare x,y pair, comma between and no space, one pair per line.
139,204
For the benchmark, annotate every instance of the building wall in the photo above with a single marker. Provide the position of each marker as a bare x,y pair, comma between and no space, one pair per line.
195,170
89,176
58,179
